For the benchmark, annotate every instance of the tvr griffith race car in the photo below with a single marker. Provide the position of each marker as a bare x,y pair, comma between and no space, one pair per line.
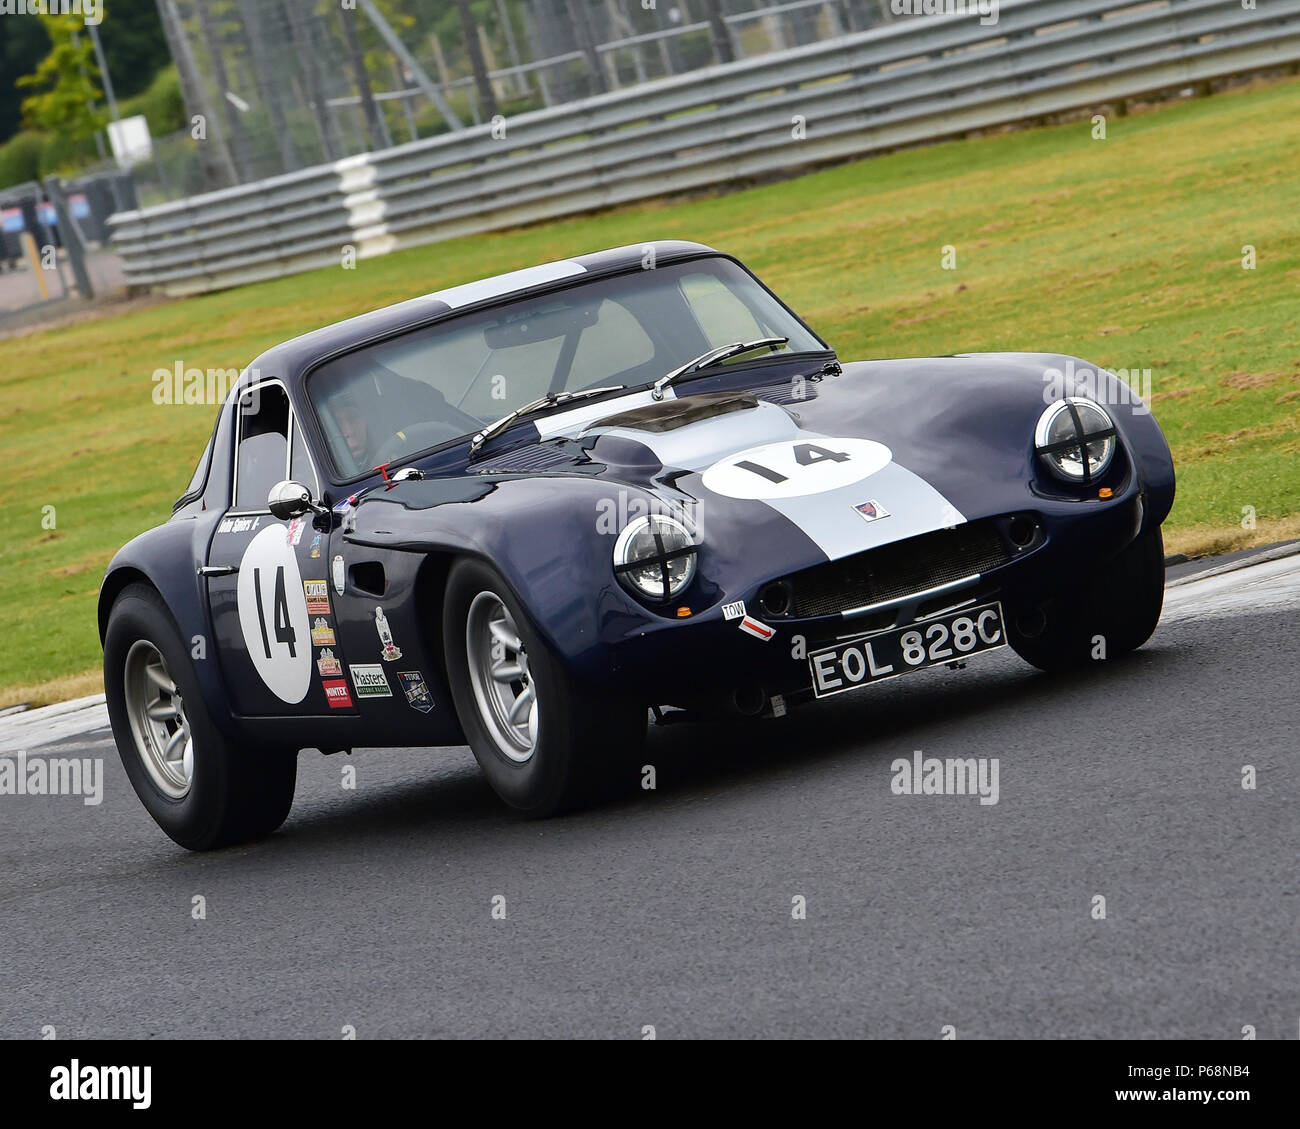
533,512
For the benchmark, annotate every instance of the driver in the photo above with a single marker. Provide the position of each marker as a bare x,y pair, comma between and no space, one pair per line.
352,425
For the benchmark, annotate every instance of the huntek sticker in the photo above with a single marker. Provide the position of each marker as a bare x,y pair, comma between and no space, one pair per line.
370,682
336,693
751,626
318,597
735,610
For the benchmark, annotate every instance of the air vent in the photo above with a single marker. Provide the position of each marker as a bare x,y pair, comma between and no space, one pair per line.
523,459
788,394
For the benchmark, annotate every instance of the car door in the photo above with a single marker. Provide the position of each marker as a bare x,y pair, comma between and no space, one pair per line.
268,586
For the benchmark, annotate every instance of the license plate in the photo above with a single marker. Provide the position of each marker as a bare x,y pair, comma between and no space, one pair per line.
872,658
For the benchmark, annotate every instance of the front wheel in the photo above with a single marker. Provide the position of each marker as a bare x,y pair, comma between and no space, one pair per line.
202,789
1114,613
544,742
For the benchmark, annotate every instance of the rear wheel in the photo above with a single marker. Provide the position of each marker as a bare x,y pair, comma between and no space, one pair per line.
202,789
544,742
1113,614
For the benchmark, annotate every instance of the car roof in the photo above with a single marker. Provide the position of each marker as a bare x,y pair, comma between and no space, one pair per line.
291,359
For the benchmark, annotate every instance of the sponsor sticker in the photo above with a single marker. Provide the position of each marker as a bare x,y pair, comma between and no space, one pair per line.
417,692
328,665
322,634
238,524
750,626
293,531
318,597
370,681
315,546
337,573
872,510
734,610
336,693
390,652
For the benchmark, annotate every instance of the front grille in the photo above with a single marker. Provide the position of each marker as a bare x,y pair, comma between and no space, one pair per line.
897,570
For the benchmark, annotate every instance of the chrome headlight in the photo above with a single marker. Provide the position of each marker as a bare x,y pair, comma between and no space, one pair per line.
1076,439
654,556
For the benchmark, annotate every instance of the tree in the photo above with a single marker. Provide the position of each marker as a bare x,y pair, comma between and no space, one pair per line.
63,84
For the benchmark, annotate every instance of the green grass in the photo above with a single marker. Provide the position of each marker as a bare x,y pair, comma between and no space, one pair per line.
1125,251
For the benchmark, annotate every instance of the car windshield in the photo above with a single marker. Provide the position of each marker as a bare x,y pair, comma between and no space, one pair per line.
433,385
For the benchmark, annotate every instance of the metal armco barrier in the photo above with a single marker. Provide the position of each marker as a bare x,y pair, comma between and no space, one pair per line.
917,80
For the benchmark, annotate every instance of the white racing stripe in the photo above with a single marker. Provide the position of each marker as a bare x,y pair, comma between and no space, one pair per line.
471,292
573,420
765,436
830,521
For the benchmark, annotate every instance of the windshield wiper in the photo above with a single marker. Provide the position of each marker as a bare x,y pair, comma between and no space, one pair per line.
498,426
712,357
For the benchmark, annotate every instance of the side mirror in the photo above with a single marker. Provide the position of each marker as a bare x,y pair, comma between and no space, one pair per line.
291,499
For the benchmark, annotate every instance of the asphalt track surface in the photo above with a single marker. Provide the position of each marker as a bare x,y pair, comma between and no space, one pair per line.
373,907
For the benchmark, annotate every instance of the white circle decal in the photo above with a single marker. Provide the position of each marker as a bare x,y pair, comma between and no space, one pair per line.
273,614
795,467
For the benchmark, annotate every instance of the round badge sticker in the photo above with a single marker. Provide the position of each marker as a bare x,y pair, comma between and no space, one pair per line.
795,467
273,615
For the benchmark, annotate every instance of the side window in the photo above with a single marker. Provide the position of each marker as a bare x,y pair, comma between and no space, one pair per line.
263,456
300,468
200,475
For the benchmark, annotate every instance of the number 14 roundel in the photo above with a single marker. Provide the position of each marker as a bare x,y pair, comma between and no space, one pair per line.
273,615
793,468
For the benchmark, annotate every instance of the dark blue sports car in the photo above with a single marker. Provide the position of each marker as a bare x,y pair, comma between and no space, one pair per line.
533,512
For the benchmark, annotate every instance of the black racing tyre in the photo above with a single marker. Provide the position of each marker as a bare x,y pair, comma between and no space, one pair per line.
1113,614
202,789
544,743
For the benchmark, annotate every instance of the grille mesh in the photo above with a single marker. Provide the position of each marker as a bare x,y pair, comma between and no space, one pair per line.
536,457
783,394
897,570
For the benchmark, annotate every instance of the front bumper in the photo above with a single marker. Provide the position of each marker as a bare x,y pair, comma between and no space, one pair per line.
707,656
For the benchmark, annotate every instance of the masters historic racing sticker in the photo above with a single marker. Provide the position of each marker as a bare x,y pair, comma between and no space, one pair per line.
370,681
